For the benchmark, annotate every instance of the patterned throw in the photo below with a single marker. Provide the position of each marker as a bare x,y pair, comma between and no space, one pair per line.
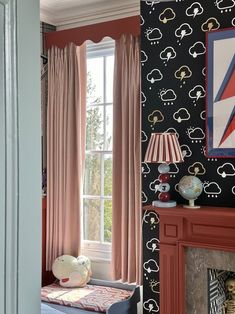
91,298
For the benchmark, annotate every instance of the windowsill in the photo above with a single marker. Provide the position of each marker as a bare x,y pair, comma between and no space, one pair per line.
97,252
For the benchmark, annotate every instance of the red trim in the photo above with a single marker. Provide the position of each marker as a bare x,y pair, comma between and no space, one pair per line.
94,32
207,227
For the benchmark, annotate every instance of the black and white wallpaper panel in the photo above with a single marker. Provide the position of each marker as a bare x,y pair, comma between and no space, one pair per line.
173,59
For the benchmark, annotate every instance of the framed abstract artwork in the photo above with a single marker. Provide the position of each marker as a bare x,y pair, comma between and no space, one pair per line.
220,107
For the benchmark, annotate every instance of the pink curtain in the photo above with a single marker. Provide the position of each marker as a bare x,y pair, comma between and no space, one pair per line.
66,126
126,230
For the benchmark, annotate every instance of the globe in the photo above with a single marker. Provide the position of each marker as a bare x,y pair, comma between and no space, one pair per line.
190,187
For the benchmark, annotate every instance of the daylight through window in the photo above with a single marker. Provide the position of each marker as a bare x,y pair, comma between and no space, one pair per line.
97,191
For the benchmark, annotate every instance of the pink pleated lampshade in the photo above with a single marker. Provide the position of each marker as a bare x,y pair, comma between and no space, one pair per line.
164,148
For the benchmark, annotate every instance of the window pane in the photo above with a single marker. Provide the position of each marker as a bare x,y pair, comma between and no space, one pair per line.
109,79
92,175
107,174
109,127
107,220
91,216
95,80
95,128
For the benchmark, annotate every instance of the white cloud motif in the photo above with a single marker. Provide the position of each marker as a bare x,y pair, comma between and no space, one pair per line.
141,20
196,134
153,34
194,9
233,190
197,92
151,218
151,266
225,5
154,76
151,306
144,197
184,30
168,53
197,49
144,137
168,95
143,97
153,245
226,170
212,188
154,185
172,130
181,115
174,169
144,57
186,150
145,168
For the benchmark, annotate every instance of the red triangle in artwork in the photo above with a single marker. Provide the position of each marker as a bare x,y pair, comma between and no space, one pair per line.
229,90
229,128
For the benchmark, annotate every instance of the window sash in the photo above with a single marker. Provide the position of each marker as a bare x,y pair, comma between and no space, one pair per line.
105,50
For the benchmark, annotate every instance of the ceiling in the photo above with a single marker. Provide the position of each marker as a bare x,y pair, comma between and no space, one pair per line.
73,13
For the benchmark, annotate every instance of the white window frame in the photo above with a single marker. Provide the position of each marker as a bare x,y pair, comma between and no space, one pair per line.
99,250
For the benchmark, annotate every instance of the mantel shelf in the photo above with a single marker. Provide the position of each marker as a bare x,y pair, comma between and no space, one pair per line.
206,227
181,211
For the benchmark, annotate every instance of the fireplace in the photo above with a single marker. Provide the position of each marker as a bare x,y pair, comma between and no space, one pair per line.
197,255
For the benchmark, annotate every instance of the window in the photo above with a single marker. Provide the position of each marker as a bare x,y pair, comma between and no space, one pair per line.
97,191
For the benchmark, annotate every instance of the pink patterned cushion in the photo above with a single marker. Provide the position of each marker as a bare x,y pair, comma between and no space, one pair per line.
92,298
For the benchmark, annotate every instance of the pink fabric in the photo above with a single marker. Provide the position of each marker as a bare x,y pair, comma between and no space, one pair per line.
65,149
91,298
126,223
163,147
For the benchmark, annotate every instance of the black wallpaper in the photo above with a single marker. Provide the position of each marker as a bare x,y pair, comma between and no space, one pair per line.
173,99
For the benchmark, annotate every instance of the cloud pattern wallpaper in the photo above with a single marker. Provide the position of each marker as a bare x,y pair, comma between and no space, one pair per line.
173,62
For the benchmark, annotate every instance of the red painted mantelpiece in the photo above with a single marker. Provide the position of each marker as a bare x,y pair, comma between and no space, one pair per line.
206,227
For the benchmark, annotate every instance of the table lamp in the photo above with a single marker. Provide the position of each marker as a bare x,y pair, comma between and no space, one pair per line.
163,148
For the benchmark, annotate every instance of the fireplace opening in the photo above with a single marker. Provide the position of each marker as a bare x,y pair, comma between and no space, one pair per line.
221,285
206,271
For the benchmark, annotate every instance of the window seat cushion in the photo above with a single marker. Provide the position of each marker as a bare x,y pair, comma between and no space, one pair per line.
91,297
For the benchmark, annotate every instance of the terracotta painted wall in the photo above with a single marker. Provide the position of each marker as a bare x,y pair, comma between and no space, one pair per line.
169,102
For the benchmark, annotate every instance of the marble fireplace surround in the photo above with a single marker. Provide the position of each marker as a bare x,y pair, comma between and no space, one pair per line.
182,229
